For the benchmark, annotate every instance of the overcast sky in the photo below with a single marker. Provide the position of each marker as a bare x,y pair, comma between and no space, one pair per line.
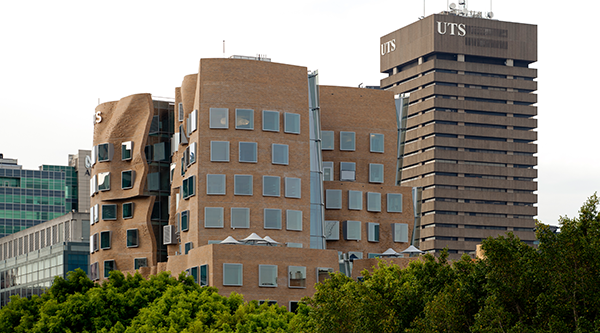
59,58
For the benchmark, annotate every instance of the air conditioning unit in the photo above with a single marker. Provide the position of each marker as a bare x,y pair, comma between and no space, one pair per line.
169,235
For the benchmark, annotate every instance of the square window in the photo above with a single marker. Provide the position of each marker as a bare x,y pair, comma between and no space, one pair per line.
327,171
219,118
240,217
215,184
109,265
126,150
133,238
400,231
374,202
232,274
185,220
376,143
213,217
394,203
105,152
373,232
180,112
270,120
375,173
219,151
347,171
244,119
105,240
272,218
347,141
352,230
297,275
292,187
203,275
104,181
109,212
140,262
271,186
247,152
293,219
187,247
291,123
355,200
127,179
327,140
128,210
242,184
332,230
280,154
267,275
323,274
333,199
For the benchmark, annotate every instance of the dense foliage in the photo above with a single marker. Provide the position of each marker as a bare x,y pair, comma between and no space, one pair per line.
515,288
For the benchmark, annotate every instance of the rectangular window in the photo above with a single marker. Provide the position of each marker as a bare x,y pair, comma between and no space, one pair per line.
333,199
375,173
240,217
328,171
153,181
128,210
180,112
355,200
267,275
94,272
133,238
140,262
105,240
247,152
347,141
187,247
394,203
188,187
271,186
93,242
327,140
244,119
293,220
295,245
232,274
292,187
400,231
203,275
242,184
352,230
373,202
109,212
213,217
376,143
104,181
109,265
373,232
126,150
291,123
219,151
193,122
191,153
270,120
323,274
185,220
93,185
127,179
332,230
280,154
219,118
347,171
297,275
272,218
105,152
215,184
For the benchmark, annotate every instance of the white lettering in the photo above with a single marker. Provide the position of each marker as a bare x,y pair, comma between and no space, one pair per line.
387,47
440,28
455,28
461,30
98,118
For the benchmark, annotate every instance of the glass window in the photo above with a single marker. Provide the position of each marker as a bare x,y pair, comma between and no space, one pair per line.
140,262
219,151
332,230
333,199
240,217
400,231
191,153
280,154
213,217
109,265
242,184
394,203
347,171
127,179
132,238
373,202
93,185
323,274
126,150
187,247
109,212
293,219
104,181
203,275
292,187
376,143
375,173
96,212
180,112
215,184
159,151
128,210
244,119
193,122
105,240
267,275
219,118
351,230
247,152
291,123
271,186
153,181
270,120
188,187
327,140
185,220
297,276
373,232
105,152
232,274
272,218
327,171
347,141
355,200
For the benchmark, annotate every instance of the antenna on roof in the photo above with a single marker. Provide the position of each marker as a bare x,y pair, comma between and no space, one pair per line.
223,48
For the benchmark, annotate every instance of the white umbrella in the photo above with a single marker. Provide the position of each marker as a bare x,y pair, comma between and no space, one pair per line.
390,252
412,250
271,241
230,240
253,239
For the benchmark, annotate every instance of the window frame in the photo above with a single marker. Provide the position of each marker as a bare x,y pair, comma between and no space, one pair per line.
106,270
344,171
293,185
373,232
125,149
106,176
102,240
274,160
298,224
372,167
221,179
389,196
328,203
214,149
109,218
302,281
264,113
355,195
344,147
327,165
373,137
135,233
327,136
123,210
222,213
278,213
247,217
278,190
214,117
334,226
132,172
184,221
255,148
236,182
356,230
375,198
291,116
240,272
260,276
251,120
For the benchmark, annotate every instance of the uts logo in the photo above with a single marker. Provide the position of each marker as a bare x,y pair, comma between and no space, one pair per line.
97,117
451,28
388,47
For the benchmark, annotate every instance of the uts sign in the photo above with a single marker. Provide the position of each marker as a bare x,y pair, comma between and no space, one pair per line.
451,28
388,47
